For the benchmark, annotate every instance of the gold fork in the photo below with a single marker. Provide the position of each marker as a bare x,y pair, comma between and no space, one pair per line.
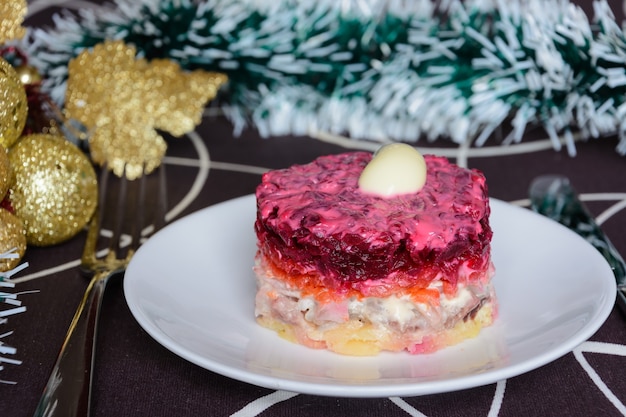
68,391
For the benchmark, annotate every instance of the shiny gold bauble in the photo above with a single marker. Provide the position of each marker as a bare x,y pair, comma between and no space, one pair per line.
13,105
55,188
12,235
5,172
12,13
28,75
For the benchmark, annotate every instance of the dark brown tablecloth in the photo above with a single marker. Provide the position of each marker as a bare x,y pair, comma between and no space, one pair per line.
136,376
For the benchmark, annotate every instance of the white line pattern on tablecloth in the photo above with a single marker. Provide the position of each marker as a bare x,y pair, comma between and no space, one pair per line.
261,404
406,407
203,173
498,398
605,348
608,213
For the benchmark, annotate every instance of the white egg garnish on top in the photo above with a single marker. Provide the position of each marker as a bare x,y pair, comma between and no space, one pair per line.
395,169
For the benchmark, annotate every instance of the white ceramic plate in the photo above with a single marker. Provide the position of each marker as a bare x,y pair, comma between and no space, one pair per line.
191,287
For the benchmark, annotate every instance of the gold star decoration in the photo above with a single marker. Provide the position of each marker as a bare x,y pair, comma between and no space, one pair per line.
12,13
124,100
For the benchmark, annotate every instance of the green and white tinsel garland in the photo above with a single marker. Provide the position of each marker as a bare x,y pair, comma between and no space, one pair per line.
382,70
9,305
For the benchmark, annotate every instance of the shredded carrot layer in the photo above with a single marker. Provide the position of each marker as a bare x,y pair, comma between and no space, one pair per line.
312,285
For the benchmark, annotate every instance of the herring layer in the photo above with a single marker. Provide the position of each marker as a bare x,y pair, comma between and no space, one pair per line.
367,325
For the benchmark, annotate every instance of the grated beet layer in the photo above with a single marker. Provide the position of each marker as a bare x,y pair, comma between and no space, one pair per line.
313,219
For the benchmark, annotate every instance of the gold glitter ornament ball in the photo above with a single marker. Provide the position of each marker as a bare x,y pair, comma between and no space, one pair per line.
28,75
55,188
5,173
13,105
12,235
12,13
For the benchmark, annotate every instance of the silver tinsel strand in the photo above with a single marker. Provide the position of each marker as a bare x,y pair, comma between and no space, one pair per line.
9,305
